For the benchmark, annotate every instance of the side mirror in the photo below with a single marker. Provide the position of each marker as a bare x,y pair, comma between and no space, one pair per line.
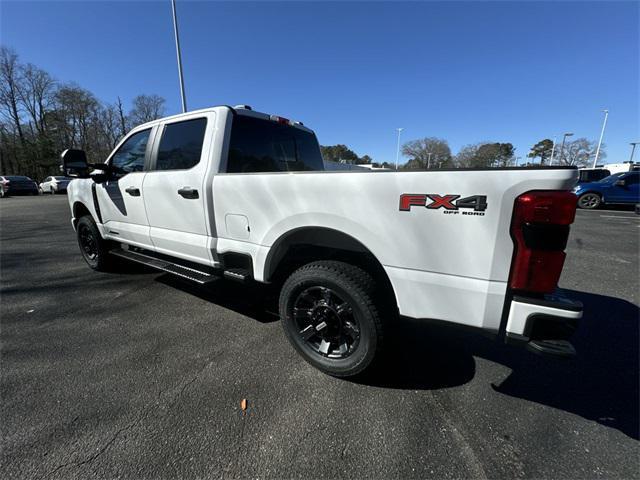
74,163
621,183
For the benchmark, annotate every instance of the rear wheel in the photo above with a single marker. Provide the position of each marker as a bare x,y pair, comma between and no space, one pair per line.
94,249
589,201
330,317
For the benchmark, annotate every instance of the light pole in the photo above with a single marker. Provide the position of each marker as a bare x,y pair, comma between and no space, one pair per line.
398,147
179,56
604,124
429,161
562,146
633,149
553,149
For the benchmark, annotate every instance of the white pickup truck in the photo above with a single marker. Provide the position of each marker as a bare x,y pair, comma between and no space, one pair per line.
236,193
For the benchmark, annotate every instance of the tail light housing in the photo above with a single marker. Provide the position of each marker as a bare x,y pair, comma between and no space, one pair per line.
282,120
540,229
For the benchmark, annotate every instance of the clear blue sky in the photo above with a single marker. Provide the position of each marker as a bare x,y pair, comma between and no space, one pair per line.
466,72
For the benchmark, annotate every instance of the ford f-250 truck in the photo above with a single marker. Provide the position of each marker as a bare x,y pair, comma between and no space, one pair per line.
236,193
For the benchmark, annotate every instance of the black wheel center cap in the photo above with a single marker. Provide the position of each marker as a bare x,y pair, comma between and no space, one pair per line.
325,314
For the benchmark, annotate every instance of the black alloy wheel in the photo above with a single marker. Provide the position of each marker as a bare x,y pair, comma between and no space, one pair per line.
94,249
326,322
88,243
330,317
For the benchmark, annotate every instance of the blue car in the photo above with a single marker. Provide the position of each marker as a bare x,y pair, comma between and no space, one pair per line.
617,188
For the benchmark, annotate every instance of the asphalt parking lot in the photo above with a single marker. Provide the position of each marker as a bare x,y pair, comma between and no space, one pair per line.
135,374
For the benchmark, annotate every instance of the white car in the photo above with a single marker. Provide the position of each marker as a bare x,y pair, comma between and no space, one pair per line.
231,192
4,186
54,185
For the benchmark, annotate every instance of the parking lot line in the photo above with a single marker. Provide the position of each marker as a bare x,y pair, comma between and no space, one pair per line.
620,216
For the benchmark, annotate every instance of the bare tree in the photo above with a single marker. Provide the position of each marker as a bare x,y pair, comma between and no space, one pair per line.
109,119
428,152
146,108
122,119
36,94
40,117
466,157
579,152
9,81
76,111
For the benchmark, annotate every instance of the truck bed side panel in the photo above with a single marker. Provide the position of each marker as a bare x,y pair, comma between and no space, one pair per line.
443,264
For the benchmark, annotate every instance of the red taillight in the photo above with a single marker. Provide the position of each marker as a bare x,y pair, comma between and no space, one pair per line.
539,229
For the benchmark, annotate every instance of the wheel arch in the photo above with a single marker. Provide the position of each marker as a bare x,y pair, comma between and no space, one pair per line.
80,210
311,243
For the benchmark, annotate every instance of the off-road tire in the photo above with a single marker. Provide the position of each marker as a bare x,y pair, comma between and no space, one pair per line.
97,253
351,285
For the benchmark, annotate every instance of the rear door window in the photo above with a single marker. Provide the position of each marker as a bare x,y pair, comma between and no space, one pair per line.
181,145
259,145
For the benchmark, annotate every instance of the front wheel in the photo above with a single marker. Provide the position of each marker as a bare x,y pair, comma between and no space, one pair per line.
330,317
589,201
94,249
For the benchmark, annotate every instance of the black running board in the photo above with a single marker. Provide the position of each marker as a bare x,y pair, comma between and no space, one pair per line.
192,273
197,276
237,274
552,348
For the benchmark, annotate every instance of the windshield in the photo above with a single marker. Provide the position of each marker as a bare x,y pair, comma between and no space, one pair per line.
611,178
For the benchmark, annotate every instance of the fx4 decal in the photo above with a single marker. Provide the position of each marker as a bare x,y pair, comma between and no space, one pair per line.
452,204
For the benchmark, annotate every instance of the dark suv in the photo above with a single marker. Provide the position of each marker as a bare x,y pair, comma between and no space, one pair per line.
18,185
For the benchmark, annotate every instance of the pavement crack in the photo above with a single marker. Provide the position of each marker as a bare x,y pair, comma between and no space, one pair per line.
143,416
94,456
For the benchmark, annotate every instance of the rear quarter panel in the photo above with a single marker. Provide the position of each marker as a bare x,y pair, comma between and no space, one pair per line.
426,252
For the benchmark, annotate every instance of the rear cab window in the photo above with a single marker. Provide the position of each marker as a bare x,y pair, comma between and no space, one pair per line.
259,145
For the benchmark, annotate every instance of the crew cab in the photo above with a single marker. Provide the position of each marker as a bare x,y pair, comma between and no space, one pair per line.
227,191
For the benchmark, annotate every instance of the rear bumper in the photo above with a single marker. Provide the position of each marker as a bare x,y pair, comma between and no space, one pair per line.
544,325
